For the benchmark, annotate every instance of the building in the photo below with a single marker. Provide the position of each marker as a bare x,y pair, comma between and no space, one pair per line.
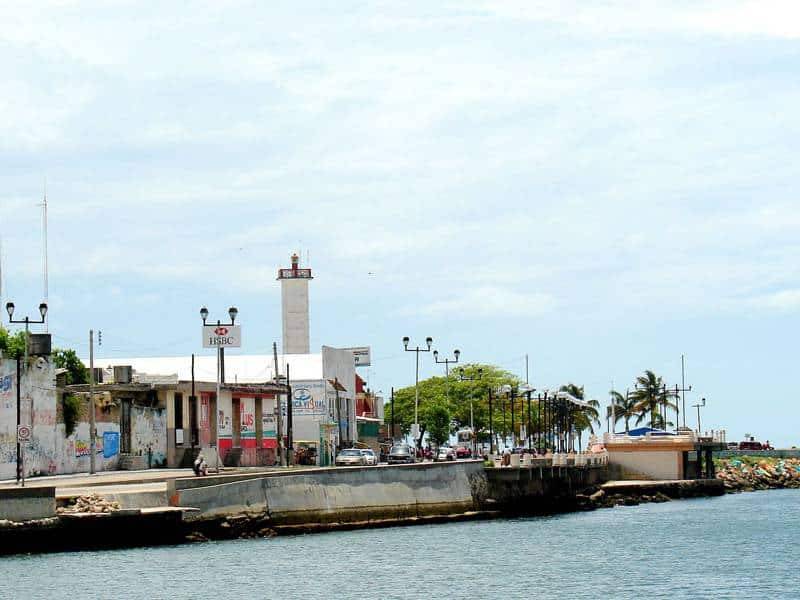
243,423
658,455
129,422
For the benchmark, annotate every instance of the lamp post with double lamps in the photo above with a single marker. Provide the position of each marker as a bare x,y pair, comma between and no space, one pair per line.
446,362
218,338
417,350
462,377
27,321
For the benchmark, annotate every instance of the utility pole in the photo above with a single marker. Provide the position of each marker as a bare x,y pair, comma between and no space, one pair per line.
289,440
92,424
279,410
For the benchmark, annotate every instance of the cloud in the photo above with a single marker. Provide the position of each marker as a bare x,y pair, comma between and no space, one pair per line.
490,302
783,301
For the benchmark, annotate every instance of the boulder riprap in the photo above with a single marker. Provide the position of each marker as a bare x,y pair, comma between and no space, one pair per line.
746,473
93,503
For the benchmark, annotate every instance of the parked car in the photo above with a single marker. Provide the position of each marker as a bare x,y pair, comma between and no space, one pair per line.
445,453
350,457
369,455
462,452
400,454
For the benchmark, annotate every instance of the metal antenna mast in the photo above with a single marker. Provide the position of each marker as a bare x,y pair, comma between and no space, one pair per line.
45,284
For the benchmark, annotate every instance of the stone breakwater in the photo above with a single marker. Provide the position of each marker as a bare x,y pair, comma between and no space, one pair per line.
747,474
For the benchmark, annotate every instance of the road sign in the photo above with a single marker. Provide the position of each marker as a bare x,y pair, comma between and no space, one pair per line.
361,356
222,336
23,433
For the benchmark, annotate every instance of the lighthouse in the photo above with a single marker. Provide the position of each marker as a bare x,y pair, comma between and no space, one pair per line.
294,307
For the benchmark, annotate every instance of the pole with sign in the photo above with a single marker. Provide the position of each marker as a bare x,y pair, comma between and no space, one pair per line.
220,336
23,439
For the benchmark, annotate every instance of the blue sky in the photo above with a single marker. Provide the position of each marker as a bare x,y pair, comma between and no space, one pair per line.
603,186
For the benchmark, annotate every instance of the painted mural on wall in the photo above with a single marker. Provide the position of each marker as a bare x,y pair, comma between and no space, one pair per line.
149,433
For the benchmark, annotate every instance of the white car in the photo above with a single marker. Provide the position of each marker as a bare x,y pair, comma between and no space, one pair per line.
369,456
445,453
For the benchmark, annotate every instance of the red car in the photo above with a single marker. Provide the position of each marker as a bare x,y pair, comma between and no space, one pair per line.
462,452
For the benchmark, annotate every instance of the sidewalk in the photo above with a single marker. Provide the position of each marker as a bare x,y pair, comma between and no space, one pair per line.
101,478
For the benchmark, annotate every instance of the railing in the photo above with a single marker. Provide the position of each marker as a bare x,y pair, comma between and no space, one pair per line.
578,460
615,438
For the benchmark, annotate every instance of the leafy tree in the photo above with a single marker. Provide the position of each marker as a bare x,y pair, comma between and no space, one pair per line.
436,416
434,391
76,370
12,345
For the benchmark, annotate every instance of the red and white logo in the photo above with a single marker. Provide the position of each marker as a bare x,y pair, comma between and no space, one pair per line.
221,331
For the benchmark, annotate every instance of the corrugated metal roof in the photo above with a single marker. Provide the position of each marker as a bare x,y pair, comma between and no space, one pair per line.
239,368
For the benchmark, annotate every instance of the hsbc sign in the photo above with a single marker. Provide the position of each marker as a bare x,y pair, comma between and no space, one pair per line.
222,336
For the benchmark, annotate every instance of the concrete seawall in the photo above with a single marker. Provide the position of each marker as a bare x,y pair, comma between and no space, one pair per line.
539,489
340,495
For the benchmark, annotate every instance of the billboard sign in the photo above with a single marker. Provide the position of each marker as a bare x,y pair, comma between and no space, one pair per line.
222,336
361,356
308,398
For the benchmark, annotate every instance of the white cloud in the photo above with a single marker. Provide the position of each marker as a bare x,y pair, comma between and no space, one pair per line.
783,301
494,302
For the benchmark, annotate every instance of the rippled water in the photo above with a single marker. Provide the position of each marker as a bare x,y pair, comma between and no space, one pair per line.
729,547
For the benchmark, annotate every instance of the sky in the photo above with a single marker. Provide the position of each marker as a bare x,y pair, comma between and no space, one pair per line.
602,187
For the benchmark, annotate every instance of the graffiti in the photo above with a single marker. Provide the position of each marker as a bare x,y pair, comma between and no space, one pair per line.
82,447
7,384
45,417
148,436
110,443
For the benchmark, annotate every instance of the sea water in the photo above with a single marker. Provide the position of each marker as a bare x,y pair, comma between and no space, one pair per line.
735,546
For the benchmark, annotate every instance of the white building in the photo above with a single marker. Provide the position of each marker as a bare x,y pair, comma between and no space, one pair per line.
323,401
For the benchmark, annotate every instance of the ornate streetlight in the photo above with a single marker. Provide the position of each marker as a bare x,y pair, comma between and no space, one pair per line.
417,350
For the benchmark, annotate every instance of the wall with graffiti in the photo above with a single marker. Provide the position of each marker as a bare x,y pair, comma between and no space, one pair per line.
37,410
149,434
49,452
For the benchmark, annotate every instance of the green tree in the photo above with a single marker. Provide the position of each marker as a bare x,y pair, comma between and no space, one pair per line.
583,417
434,392
623,408
436,416
12,345
76,371
652,398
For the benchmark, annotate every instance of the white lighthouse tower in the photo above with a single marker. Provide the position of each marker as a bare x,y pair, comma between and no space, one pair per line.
294,307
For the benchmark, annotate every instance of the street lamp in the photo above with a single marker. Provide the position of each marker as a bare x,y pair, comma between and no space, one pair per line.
462,377
417,350
511,393
528,390
232,313
446,362
27,321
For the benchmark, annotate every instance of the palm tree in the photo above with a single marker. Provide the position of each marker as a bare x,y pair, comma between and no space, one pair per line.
622,408
584,417
651,394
